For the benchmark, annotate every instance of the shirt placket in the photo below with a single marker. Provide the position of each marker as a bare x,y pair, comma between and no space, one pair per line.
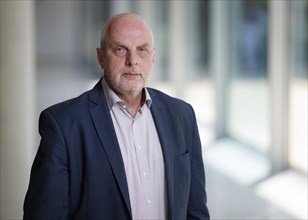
141,154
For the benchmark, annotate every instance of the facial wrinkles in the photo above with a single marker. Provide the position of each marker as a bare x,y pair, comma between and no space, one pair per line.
132,29
127,69
121,81
131,35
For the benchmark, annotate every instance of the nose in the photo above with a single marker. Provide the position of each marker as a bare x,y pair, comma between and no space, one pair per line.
131,59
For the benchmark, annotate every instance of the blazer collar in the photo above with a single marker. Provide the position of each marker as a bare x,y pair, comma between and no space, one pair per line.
103,123
162,124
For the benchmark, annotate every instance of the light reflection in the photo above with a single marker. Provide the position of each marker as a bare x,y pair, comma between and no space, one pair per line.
288,191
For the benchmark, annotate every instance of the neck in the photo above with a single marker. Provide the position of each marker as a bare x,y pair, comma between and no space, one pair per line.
133,101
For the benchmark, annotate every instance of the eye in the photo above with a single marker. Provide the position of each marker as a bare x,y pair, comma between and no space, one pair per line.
119,50
143,50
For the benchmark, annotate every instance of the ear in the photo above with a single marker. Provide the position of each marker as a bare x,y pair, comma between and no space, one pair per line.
100,57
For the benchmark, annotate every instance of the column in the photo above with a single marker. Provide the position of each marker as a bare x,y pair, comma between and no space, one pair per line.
17,104
279,68
178,44
219,59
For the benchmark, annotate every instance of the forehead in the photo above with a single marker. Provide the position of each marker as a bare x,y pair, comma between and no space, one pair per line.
130,29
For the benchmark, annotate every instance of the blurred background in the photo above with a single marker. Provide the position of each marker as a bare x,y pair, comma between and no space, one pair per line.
241,64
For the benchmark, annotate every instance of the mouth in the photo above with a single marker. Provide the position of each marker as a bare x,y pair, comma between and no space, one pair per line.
131,74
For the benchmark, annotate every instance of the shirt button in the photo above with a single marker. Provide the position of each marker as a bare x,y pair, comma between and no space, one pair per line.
139,147
149,201
144,173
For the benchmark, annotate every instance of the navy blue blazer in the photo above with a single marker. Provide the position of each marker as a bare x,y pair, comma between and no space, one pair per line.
78,172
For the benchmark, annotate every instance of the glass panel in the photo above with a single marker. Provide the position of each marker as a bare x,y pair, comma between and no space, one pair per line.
252,39
248,116
298,86
199,89
181,33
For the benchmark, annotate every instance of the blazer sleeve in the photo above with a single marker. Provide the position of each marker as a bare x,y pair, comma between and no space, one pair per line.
197,204
47,195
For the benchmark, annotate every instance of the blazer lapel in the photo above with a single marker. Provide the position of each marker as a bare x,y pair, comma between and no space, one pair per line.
103,123
162,126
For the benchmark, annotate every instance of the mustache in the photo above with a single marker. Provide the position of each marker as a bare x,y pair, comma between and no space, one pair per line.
132,70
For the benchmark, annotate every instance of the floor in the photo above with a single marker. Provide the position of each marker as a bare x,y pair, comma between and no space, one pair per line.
234,193
229,200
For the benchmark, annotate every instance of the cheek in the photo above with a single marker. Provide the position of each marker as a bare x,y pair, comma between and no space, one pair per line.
114,65
148,67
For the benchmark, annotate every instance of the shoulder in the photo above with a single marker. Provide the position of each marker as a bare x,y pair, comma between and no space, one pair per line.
70,106
68,113
165,97
170,103
78,105
66,117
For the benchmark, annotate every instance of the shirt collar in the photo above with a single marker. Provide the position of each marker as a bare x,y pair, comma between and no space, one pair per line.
113,98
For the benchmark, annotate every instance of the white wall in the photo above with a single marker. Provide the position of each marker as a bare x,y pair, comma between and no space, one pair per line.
17,104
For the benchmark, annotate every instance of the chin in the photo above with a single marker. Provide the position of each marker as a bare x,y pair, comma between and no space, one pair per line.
132,87
133,90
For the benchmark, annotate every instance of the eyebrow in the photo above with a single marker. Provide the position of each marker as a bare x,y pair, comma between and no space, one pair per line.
144,45
117,43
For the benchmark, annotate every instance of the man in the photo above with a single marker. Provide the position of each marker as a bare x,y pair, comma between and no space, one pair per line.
120,151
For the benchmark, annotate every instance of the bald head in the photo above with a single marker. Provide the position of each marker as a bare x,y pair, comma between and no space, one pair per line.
114,23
